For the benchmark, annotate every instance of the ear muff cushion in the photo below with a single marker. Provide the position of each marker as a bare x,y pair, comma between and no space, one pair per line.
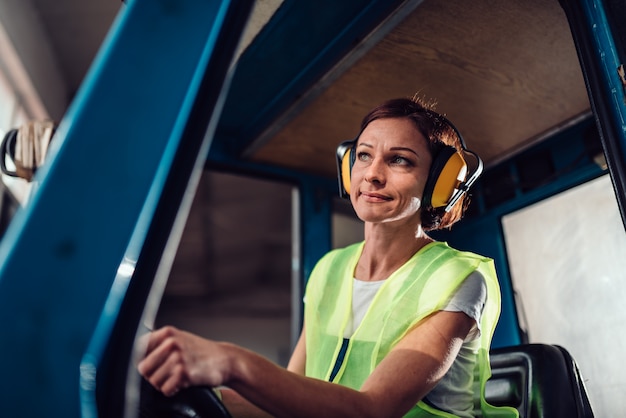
447,172
346,168
345,160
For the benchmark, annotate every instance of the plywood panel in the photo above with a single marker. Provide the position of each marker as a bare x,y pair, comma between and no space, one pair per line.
502,71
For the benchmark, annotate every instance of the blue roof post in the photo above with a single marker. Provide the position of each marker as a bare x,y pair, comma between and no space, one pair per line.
604,71
315,225
105,169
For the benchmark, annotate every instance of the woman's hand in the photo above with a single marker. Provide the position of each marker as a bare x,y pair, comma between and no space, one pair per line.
177,359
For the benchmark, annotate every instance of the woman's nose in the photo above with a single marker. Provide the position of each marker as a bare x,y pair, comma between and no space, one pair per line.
375,172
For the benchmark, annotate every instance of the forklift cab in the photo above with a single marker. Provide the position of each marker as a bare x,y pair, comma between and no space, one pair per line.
104,244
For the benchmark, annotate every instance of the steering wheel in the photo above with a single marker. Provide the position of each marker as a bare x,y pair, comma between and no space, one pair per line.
191,402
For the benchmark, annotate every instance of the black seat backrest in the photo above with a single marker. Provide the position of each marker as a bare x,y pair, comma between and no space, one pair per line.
540,380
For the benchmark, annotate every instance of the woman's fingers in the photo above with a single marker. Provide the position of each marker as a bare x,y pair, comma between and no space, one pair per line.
156,338
174,381
166,375
176,359
164,364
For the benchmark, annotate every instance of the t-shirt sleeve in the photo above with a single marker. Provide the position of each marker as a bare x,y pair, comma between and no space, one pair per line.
470,298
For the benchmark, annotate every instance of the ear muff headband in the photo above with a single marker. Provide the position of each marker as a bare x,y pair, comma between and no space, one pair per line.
447,180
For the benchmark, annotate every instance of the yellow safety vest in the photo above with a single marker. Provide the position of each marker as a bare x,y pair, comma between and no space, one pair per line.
422,286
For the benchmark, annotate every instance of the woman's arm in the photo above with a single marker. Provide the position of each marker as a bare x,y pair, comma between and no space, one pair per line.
177,359
239,407
297,362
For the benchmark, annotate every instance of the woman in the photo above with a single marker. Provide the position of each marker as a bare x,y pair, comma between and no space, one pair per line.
394,326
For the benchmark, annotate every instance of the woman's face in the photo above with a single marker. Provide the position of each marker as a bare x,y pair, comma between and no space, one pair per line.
390,171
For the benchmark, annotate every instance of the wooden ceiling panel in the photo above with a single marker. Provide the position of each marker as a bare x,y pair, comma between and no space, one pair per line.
503,71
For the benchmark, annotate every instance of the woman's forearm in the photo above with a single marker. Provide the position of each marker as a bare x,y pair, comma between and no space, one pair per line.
285,394
240,407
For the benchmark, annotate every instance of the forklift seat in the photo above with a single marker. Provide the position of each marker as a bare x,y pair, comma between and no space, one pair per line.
540,380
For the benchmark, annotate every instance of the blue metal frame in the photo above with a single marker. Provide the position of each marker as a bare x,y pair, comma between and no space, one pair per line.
600,60
88,217
316,224
301,43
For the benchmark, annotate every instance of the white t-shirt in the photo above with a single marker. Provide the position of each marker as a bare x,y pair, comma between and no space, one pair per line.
469,298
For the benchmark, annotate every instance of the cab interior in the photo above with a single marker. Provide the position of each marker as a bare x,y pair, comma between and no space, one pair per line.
235,136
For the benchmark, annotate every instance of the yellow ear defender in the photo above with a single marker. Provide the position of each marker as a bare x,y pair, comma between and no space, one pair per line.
447,180
447,173
345,160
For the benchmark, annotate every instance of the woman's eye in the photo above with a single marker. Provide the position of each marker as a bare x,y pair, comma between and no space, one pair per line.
363,156
398,160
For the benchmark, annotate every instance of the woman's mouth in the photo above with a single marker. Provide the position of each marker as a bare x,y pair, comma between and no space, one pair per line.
375,197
